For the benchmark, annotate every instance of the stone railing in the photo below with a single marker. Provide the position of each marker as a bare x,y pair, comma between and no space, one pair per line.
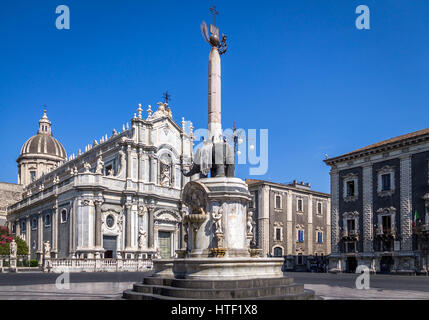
15,264
96,265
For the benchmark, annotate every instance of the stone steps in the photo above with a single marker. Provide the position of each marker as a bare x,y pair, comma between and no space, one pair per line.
178,289
132,295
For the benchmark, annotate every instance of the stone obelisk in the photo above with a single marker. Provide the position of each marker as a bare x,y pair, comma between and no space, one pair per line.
215,124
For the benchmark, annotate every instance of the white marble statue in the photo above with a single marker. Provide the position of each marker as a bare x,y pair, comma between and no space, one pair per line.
47,249
250,223
142,238
87,167
100,166
165,174
13,249
217,220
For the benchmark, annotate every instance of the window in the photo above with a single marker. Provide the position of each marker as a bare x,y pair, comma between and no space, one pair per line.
23,226
252,202
14,228
33,176
350,188
278,234
47,220
351,247
387,223
278,252
34,223
300,260
319,208
278,204
319,237
301,236
63,216
108,170
385,182
351,224
300,205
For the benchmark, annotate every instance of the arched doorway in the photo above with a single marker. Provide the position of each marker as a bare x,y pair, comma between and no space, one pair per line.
278,252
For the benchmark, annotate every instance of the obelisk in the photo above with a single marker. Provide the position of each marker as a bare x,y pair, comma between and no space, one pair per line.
215,124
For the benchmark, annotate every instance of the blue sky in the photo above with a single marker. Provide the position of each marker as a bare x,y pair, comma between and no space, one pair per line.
298,68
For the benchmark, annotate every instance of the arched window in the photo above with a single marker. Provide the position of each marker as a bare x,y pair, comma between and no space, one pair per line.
278,252
64,216
47,220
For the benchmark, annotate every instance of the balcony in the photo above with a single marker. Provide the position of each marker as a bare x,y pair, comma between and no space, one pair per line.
350,235
386,233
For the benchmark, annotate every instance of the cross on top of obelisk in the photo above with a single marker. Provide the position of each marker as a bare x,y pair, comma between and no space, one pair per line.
215,13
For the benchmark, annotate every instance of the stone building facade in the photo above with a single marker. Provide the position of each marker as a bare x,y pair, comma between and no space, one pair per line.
120,198
10,193
292,221
380,206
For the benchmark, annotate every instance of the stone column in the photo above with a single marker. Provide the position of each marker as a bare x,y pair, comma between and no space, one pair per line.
405,203
18,228
289,224
367,208
264,219
40,237
214,123
310,226
328,227
28,235
153,169
129,163
128,227
54,230
150,228
335,192
98,232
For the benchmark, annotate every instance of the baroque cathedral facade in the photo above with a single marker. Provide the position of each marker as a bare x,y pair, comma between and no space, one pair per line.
118,198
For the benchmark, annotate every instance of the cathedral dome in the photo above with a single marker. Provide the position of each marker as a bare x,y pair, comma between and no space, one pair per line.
43,144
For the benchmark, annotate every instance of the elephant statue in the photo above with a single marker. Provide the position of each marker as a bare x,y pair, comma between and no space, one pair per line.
218,158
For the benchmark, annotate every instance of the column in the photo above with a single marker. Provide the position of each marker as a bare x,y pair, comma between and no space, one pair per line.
153,169
150,228
40,236
98,233
368,229
54,230
405,203
128,207
18,227
335,192
129,163
28,235
310,226
289,224
328,227
263,220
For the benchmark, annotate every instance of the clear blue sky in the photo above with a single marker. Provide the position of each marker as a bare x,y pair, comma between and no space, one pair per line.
299,68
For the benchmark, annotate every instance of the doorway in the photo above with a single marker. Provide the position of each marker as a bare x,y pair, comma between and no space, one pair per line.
109,245
386,263
351,264
164,241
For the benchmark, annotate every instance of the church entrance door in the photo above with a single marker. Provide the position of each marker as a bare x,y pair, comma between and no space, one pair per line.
164,240
109,245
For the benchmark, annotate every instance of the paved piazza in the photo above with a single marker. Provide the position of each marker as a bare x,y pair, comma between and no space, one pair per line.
109,286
